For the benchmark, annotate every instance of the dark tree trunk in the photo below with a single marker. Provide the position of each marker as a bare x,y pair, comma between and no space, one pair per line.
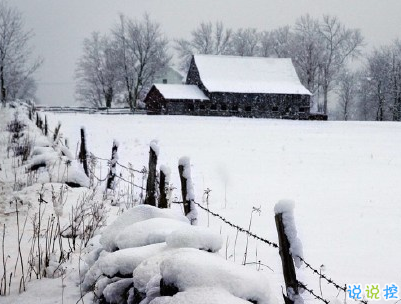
2,85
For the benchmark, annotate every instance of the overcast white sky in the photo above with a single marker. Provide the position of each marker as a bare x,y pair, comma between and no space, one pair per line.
61,25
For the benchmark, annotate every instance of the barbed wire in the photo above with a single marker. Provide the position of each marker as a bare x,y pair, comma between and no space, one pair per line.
328,280
303,286
143,171
270,243
273,244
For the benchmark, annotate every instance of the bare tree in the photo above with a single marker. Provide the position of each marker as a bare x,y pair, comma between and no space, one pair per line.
143,54
245,42
282,42
340,44
347,90
97,71
16,68
307,52
206,39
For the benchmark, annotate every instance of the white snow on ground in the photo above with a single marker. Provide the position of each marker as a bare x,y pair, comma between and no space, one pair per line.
188,268
343,176
286,208
201,296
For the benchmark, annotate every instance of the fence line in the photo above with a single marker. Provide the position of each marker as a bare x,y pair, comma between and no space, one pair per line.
243,230
274,245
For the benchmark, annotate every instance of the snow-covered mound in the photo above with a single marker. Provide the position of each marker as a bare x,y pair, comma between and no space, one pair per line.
190,268
120,263
148,232
132,216
201,296
195,237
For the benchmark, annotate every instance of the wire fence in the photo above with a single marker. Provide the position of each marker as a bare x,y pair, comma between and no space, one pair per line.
131,170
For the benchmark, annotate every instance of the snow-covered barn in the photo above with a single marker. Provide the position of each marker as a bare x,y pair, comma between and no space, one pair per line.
234,86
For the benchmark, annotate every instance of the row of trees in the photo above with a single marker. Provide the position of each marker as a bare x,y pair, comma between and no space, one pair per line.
127,60
121,66
16,66
320,49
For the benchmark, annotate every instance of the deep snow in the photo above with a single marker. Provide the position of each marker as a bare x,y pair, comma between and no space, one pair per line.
343,176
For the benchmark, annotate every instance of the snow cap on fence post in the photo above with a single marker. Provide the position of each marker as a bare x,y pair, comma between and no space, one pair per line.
187,190
290,248
286,207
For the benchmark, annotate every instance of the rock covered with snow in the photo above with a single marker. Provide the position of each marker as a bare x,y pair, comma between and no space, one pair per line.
195,237
201,296
121,262
132,216
286,208
191,268
151,231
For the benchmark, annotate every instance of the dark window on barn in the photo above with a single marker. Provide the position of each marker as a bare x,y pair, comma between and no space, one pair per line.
202,107
274,109
248,108
164,81
223,107
234,108
213,107
191,107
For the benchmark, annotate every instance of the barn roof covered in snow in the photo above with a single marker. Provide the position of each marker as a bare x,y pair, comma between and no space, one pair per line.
235,74
180,91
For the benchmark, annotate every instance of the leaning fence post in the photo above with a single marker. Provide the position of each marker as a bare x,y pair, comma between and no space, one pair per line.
113,164
150,198
289,247
187,191
83,152
163,186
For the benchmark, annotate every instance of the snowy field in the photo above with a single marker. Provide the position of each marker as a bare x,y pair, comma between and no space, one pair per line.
343,176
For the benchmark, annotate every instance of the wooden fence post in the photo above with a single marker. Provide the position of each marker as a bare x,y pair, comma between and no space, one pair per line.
46,126
113,164
185,178
290,277
83,152
150,198
163,186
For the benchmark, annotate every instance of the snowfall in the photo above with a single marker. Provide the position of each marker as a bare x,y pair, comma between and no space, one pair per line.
336,183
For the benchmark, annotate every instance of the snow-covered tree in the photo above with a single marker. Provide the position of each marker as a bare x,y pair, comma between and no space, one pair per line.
142,51
208,38
340,44
16,67
97,71
245,42
347,90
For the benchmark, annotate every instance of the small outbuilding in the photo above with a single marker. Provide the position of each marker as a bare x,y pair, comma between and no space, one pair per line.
219,85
